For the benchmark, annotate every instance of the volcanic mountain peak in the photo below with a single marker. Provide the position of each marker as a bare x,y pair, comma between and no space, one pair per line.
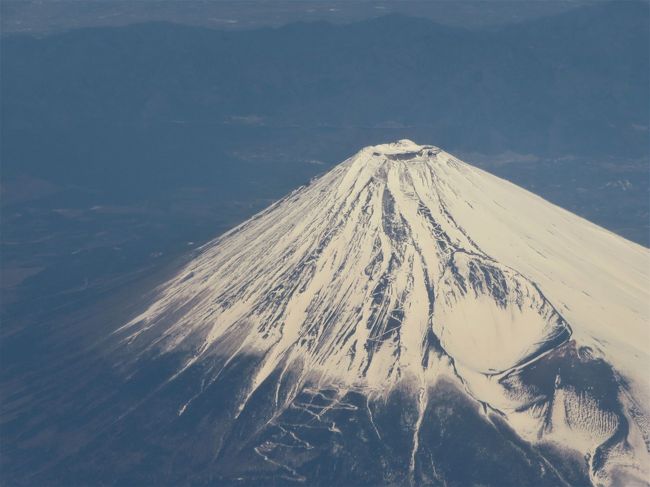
400,146
404,265
403,150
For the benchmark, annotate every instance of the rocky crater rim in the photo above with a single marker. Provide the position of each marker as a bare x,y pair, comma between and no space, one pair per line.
403,150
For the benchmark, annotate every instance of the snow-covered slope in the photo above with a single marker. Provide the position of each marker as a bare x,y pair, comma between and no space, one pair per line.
403,266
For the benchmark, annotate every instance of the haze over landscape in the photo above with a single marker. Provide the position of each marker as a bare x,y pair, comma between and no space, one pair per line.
196,290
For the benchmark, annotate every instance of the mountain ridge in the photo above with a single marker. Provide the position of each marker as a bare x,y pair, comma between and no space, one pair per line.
564,80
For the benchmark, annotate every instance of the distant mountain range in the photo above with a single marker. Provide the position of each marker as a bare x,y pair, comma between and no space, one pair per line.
37,17
568,84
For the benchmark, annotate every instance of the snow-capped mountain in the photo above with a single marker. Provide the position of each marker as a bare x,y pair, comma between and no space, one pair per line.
406,318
